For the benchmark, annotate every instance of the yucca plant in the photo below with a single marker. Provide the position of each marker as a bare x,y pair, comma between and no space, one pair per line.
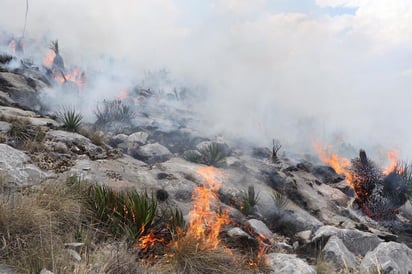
70,118
193,156
113,111
249,200
58,59
213,154
280,200
123,213
174,220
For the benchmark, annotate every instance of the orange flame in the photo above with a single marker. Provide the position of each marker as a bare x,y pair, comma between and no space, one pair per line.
75,76
340,164
205,223
48,60
123,94
148,241
394,161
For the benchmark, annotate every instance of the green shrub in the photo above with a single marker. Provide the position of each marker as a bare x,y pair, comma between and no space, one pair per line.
249,200
125,214
280,200
70,118
113,111
213,154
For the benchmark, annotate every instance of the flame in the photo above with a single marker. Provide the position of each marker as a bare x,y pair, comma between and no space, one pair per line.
263,247
48,60
148,241
340,164
205,223
393,158
123,94
75,76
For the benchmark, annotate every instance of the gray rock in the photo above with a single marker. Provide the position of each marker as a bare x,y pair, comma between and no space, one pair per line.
18,168
337,253
356,241
304,236
77,143
4,127
259,228
288,264
237,233
390,257
19,90
45,271
138,137
5,269
152,153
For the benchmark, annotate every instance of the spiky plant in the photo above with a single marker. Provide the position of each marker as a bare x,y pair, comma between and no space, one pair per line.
58,59
19,133
280,200
122,213
70,118
213,154
249,200
174,220
193,156
113,111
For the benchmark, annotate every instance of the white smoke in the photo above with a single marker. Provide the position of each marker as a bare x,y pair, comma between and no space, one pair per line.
295,76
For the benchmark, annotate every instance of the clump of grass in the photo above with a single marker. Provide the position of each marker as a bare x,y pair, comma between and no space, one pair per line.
33,225
70,118
249,200
23,135
124,214
186,257
324,266
113,111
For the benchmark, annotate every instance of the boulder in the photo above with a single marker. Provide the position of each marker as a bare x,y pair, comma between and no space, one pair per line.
288,264
326,174
390,257
358,242
18,167
238,233
138,137
258,227
337,253
152,153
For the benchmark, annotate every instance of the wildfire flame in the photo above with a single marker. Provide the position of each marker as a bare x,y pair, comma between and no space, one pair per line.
48,60
394,161
123,94
148,241
75,76
205,222
340,164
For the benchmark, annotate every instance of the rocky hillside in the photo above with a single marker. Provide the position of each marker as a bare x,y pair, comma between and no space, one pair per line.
284,215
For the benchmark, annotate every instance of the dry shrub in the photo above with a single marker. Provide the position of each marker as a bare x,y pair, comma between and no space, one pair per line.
34,224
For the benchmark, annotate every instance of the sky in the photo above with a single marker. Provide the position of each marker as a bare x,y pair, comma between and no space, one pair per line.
295,70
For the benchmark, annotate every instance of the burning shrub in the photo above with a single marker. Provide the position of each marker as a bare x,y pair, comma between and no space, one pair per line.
380,194
113,111
70,118
58,62
124,214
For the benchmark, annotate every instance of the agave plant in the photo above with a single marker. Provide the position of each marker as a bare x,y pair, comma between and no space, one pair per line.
113,111
250,199
280,200
213,154
70,118
58,59
174,220
123,213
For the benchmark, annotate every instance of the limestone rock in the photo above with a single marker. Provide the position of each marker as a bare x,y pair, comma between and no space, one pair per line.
390,257
18,167
152,153
259,228
356,241
288,264
337,253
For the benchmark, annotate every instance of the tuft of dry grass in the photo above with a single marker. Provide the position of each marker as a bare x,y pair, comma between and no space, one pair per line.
186,257
34,224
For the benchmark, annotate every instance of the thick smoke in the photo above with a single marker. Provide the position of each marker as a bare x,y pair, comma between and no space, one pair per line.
295,76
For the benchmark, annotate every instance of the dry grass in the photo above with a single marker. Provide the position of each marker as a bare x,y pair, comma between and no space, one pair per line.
34,224
185,257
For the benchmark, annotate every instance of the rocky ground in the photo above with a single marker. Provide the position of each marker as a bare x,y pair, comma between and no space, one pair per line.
303,209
